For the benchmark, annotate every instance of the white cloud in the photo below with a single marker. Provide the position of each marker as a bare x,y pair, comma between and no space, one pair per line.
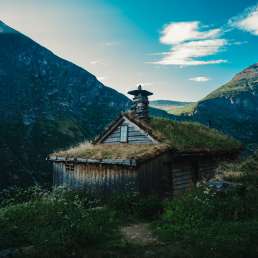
248,21
98,62
200,79
111,43
188,53
177,32
95,62
189,42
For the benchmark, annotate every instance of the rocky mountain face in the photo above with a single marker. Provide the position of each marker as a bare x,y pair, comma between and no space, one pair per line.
233,108
46,103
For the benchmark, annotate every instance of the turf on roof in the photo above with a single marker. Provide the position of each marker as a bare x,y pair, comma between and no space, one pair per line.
188,136
179,136
113,151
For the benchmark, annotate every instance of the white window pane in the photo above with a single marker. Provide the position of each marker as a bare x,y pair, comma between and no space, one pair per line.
123,133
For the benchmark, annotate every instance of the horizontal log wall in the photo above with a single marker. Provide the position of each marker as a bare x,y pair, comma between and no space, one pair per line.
187,171
182,177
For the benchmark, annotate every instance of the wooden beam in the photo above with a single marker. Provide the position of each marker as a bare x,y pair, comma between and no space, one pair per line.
123,162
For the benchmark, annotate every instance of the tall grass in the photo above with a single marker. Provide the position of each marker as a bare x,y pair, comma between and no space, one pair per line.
55,224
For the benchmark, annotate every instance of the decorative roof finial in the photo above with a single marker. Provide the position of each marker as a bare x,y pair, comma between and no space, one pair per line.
140,102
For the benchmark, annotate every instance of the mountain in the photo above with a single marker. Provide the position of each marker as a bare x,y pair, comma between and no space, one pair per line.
232,108
46,103
170,106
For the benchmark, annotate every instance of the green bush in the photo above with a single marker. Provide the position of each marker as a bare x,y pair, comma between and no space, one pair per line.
204,204
213,224
134,205
56,224
16,195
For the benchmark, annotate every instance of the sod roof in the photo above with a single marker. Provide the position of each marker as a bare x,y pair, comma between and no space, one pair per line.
181,137
113,151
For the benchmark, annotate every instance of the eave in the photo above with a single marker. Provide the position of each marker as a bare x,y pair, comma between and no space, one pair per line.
122,162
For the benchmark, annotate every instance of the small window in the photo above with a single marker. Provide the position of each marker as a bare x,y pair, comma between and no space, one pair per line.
123,133
69,167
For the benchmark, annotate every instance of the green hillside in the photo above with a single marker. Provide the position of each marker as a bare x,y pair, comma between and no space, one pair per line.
245,81
232,108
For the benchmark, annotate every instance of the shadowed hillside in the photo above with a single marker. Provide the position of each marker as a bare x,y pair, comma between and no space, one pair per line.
46,103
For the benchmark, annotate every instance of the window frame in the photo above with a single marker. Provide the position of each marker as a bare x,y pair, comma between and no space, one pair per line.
124,134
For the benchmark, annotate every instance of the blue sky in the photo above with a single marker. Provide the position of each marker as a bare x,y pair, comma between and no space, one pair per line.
180,50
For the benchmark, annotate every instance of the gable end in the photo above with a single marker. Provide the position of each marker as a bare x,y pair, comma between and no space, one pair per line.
134,134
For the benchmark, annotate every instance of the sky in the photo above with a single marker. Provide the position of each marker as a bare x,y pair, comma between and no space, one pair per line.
179,50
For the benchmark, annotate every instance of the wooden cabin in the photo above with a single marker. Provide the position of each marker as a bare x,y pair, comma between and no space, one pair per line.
144,154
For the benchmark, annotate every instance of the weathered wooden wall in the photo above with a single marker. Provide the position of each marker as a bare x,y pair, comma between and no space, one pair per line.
97,178
154,176
189,170
182,176
151,176
160,175
135,135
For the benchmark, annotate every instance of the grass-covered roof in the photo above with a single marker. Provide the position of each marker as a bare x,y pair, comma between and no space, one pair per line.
189,136
113,151
180,137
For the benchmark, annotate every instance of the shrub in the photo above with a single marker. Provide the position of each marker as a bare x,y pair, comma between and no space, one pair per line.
55,224
133,204
16,195
213,224
149,207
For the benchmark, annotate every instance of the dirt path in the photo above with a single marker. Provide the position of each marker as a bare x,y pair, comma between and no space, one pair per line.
139,234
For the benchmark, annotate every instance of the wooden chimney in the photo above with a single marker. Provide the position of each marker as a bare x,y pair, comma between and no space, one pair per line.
140,102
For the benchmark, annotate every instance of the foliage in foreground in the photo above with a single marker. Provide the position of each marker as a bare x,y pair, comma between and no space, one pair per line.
64,222
133,206
56,224
205,223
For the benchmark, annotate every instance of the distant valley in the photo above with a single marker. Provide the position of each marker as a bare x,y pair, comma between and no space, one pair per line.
171,106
